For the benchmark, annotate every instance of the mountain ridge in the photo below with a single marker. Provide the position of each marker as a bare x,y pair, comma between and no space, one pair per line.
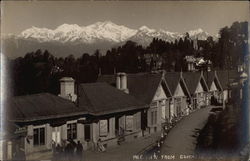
100,35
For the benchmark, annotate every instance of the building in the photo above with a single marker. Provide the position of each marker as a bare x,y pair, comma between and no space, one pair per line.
215,93
227,79
42,118
197,87
151,89
191,63
99,113
180,94
112,113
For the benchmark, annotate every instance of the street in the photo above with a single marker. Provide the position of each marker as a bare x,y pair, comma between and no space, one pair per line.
181,140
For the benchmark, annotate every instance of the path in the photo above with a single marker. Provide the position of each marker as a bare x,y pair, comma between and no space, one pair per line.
181,140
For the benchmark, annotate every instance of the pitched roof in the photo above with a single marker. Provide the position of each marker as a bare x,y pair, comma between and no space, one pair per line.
141,85
210,77
102,98
41,106
192,79
173,79
226,77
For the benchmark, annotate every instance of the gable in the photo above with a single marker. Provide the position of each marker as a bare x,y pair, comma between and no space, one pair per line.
179,91
199,88
213,87
159,94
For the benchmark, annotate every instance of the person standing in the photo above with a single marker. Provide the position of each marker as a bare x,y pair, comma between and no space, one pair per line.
79,151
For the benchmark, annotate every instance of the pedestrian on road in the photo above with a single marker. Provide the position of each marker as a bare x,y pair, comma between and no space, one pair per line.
69,150
79,151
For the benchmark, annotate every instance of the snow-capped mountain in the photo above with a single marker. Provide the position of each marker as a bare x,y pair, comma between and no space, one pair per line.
145,35
104,31
199,34
74,39
100,31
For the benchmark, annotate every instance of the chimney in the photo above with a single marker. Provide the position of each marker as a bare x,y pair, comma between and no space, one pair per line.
118,81
67,88
123,82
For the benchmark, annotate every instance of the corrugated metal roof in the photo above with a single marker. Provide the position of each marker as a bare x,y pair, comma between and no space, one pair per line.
102,98
41,106
141,85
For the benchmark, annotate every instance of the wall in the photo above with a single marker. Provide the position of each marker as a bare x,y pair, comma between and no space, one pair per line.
29,145
155,107
110,134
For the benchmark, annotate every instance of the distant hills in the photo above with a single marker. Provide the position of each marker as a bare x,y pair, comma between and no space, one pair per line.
73,39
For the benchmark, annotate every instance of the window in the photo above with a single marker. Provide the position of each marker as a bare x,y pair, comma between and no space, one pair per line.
39,136
71,131
153,117
103,125
129,123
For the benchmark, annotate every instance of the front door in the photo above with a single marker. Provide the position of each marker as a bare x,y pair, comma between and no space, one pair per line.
87,132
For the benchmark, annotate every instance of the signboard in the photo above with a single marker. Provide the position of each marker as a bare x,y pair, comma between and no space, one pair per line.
21,130
129,123
103,127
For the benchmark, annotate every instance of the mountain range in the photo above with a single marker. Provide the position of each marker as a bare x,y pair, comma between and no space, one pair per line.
74,39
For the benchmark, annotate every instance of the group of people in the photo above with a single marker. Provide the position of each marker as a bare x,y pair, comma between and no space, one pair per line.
67,150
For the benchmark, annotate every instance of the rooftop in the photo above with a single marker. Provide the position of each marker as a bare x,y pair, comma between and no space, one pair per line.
102,98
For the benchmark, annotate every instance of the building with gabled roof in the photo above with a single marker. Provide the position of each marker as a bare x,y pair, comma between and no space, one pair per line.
197,87
180,94
215,93
150,88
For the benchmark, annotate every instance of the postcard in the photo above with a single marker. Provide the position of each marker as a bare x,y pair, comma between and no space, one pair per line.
124,80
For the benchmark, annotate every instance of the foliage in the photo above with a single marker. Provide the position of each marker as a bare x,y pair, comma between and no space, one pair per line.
40,71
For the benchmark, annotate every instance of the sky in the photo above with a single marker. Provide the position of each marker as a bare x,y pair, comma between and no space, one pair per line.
178,16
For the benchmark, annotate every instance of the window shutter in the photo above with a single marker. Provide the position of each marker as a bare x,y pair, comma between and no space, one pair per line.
135,122
138,120
149,118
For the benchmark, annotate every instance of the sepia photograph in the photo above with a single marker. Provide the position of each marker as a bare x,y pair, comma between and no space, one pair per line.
124,80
